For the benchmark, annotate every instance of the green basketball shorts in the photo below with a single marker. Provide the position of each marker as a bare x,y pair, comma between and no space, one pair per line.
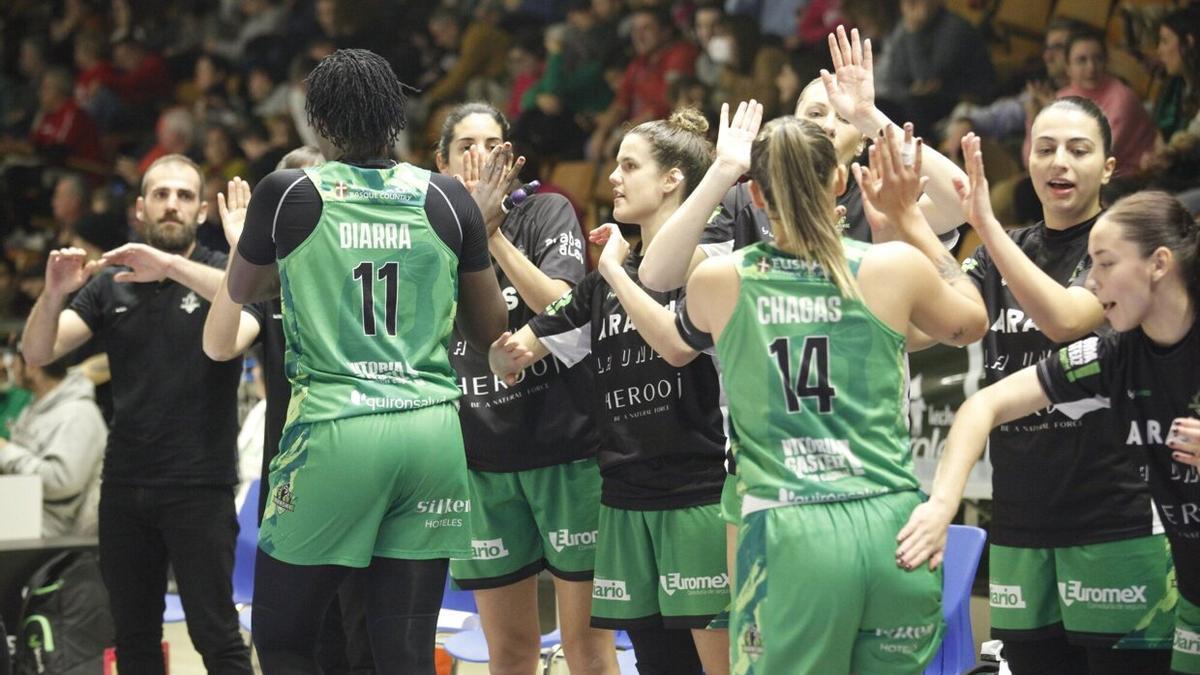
838,602
392,485
1115,593
659,568
731,503
526,521
1186,656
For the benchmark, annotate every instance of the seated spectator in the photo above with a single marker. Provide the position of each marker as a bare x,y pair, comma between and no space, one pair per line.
256,18
222,159
1005,117
13,397
817,20
98,233
704,25
774,17
936,58
659,58
213,99
261,154
142,79
69,205
1178,106
94,80
268,96
746,66
525,67
18,100
60,437
1133,131
61,129
479,51
175,134
558,108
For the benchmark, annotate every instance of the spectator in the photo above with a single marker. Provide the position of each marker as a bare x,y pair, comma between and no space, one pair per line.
774,17
94,81
747,66
142,79
479,51
658,59
175,133
572,89
1178,106
98,233
267,95
61,129
1133,132
818,20
1005,118
261,154
257,18
525,68
936,59
214,102
69,205
59,437
13,396
18,99
704,25
298,72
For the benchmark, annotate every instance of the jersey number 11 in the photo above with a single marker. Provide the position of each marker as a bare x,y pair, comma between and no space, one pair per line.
389,274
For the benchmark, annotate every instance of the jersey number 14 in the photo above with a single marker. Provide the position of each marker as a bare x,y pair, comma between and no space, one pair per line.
389,274
812,380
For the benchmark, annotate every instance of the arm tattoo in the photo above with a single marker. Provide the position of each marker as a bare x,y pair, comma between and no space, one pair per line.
948,268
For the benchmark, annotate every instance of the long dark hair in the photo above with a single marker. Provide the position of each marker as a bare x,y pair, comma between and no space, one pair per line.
462,112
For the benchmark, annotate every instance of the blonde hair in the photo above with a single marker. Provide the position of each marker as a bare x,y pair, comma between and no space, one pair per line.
793,161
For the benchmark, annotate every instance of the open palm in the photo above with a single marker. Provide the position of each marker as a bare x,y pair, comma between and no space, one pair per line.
735,137
851,87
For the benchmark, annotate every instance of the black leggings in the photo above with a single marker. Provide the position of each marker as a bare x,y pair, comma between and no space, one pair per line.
665,651
403,600
1055,656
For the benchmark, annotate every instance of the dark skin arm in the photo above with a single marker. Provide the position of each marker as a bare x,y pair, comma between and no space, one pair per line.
482,314
248,283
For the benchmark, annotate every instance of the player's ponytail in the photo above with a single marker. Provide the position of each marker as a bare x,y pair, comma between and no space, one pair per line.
793,163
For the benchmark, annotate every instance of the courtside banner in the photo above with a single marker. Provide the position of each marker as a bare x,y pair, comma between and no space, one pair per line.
941,378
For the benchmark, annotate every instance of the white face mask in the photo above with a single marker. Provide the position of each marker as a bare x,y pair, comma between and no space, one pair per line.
720,49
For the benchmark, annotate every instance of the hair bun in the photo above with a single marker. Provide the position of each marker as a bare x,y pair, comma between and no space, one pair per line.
690,120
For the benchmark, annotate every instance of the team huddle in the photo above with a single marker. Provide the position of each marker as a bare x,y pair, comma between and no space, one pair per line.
705,440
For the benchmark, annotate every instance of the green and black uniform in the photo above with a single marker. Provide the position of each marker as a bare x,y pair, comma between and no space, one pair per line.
660,560
816,386
535,487
1069,504
1146,386
371,461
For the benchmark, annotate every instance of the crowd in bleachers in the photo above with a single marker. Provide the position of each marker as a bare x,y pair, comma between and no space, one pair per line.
92,91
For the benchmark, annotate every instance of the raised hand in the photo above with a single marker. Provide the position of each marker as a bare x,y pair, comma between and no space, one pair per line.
68,270
851,86
616,249
233,210
145,263
494,175
974,197
735,138
508,357
472,166
893,183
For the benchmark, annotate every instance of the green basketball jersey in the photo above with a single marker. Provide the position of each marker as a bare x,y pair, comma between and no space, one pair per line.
816,386
368,299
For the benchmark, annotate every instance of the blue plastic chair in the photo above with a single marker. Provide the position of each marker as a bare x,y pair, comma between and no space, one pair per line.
458,611
964,547
627,662
244,553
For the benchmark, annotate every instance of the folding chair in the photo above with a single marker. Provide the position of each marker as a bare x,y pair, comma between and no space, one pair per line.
964,547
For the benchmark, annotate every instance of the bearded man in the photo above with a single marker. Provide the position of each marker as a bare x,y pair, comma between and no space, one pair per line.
170,469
